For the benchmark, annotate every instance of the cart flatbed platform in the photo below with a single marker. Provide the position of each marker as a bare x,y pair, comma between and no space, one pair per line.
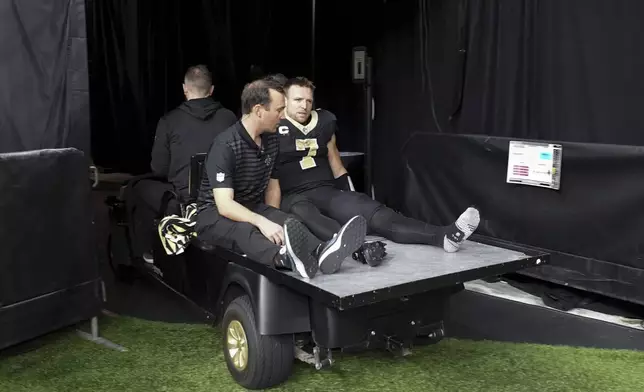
407,270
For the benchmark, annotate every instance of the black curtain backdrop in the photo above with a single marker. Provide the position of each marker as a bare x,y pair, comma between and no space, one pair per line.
44,100
341,26
563,70
534,69
139,52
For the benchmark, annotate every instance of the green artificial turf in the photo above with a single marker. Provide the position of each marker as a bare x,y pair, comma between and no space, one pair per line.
182,358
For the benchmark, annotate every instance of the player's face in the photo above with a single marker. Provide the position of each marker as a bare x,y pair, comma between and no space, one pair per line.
299,103
275,112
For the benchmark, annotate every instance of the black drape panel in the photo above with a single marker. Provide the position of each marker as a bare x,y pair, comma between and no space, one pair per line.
562,70
418,66
139,52
44,100
535,69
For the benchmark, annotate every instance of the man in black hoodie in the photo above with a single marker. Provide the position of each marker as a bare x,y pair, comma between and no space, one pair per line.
181,133
189,129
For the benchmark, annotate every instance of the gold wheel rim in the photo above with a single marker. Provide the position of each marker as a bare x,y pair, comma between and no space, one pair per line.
237,345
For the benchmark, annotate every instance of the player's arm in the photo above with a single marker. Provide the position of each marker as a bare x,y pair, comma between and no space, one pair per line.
340,173
220,169
337,167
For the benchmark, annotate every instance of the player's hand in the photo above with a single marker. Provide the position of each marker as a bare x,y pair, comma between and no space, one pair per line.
344,183
272,231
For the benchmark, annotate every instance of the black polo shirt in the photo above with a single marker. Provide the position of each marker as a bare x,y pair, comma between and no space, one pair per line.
236,161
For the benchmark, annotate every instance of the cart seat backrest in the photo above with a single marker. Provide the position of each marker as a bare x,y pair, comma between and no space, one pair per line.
196,171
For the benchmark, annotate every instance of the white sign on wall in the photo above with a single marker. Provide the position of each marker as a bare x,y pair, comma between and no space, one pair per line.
536,164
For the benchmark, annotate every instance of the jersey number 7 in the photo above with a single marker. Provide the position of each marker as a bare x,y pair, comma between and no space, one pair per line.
312,146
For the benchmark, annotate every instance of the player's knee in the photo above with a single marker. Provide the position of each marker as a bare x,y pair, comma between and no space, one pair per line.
299,204
381,217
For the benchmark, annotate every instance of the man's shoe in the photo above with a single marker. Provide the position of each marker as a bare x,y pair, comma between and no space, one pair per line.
332,253
371,253
282,260
300,247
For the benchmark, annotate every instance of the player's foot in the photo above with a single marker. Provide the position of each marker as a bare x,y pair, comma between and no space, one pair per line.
351,236
300,248
371,253
461,230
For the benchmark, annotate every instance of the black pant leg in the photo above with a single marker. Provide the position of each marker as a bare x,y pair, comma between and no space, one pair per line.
381,220
236,236
145,199
306,211
404,230
342,205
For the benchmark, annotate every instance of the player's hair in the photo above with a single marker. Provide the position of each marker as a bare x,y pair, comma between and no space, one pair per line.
299,81
279,78
199,78
258,93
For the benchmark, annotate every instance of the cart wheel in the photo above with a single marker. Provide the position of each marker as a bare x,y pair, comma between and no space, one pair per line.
254,361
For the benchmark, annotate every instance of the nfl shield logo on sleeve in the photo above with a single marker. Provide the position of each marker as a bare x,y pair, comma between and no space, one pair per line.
220,177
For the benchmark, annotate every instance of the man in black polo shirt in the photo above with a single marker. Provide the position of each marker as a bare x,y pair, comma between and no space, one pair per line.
238,206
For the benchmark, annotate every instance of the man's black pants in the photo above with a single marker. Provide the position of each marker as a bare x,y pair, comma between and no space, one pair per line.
144,198
240,237
325,208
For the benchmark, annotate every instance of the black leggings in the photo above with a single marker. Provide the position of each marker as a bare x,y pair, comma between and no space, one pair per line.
320,225
325,209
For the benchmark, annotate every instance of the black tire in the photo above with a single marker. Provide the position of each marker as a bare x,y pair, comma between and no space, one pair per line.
270,358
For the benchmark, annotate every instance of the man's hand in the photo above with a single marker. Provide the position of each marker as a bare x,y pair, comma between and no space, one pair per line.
271,230
232,210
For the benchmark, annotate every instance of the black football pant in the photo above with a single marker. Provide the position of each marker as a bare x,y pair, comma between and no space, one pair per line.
325,208
240,237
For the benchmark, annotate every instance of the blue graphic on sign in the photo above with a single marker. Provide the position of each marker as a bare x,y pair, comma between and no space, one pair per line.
545,155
